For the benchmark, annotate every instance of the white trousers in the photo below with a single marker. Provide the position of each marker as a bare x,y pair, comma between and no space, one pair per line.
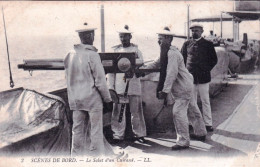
180,120
203,90
137,119
185,111
87,136
195,118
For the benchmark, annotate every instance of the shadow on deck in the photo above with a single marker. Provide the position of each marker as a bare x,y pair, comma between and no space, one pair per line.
223,105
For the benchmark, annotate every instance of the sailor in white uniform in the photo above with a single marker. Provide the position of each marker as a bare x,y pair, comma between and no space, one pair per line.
87,90
118,83
179,82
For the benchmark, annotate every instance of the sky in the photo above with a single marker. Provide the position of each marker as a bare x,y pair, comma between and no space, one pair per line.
44,19
144,18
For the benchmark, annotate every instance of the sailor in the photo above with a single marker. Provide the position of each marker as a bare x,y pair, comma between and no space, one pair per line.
213,38
87,90
131,87
177,80
200,57
211,33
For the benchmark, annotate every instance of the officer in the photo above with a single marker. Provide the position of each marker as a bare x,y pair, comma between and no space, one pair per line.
177,80
87,90
131,87
200,57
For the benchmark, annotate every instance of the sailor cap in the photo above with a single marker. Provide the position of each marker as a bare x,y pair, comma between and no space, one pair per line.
196,25
166,31
84,28
125,30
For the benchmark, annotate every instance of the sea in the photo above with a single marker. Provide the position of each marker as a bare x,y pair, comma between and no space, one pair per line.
51,47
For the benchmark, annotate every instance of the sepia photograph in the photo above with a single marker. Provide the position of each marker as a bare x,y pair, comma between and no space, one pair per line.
130,83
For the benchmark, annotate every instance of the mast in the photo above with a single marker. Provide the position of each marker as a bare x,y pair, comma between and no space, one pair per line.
102,29
10,71
185,28
188,21
221,26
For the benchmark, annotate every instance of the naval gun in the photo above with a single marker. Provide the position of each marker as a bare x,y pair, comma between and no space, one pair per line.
120,62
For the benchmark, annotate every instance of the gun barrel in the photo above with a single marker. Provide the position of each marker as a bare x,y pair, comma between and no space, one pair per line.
112,63
42,64
39,67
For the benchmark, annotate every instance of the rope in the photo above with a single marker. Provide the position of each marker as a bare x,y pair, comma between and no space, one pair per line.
10,72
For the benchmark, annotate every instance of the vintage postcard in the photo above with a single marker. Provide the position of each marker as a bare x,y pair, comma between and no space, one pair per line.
130,83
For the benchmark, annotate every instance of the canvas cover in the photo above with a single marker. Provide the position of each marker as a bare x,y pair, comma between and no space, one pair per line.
32,123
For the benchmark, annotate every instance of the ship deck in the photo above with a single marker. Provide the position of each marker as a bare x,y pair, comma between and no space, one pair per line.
234,142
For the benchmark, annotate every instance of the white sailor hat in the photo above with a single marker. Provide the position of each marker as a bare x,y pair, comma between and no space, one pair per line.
125,30
196,25
166,31
84,28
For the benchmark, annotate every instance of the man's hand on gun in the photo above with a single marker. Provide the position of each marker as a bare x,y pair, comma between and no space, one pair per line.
108,106
161,95
139,74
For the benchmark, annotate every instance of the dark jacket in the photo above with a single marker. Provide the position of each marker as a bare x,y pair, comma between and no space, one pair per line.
199,57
